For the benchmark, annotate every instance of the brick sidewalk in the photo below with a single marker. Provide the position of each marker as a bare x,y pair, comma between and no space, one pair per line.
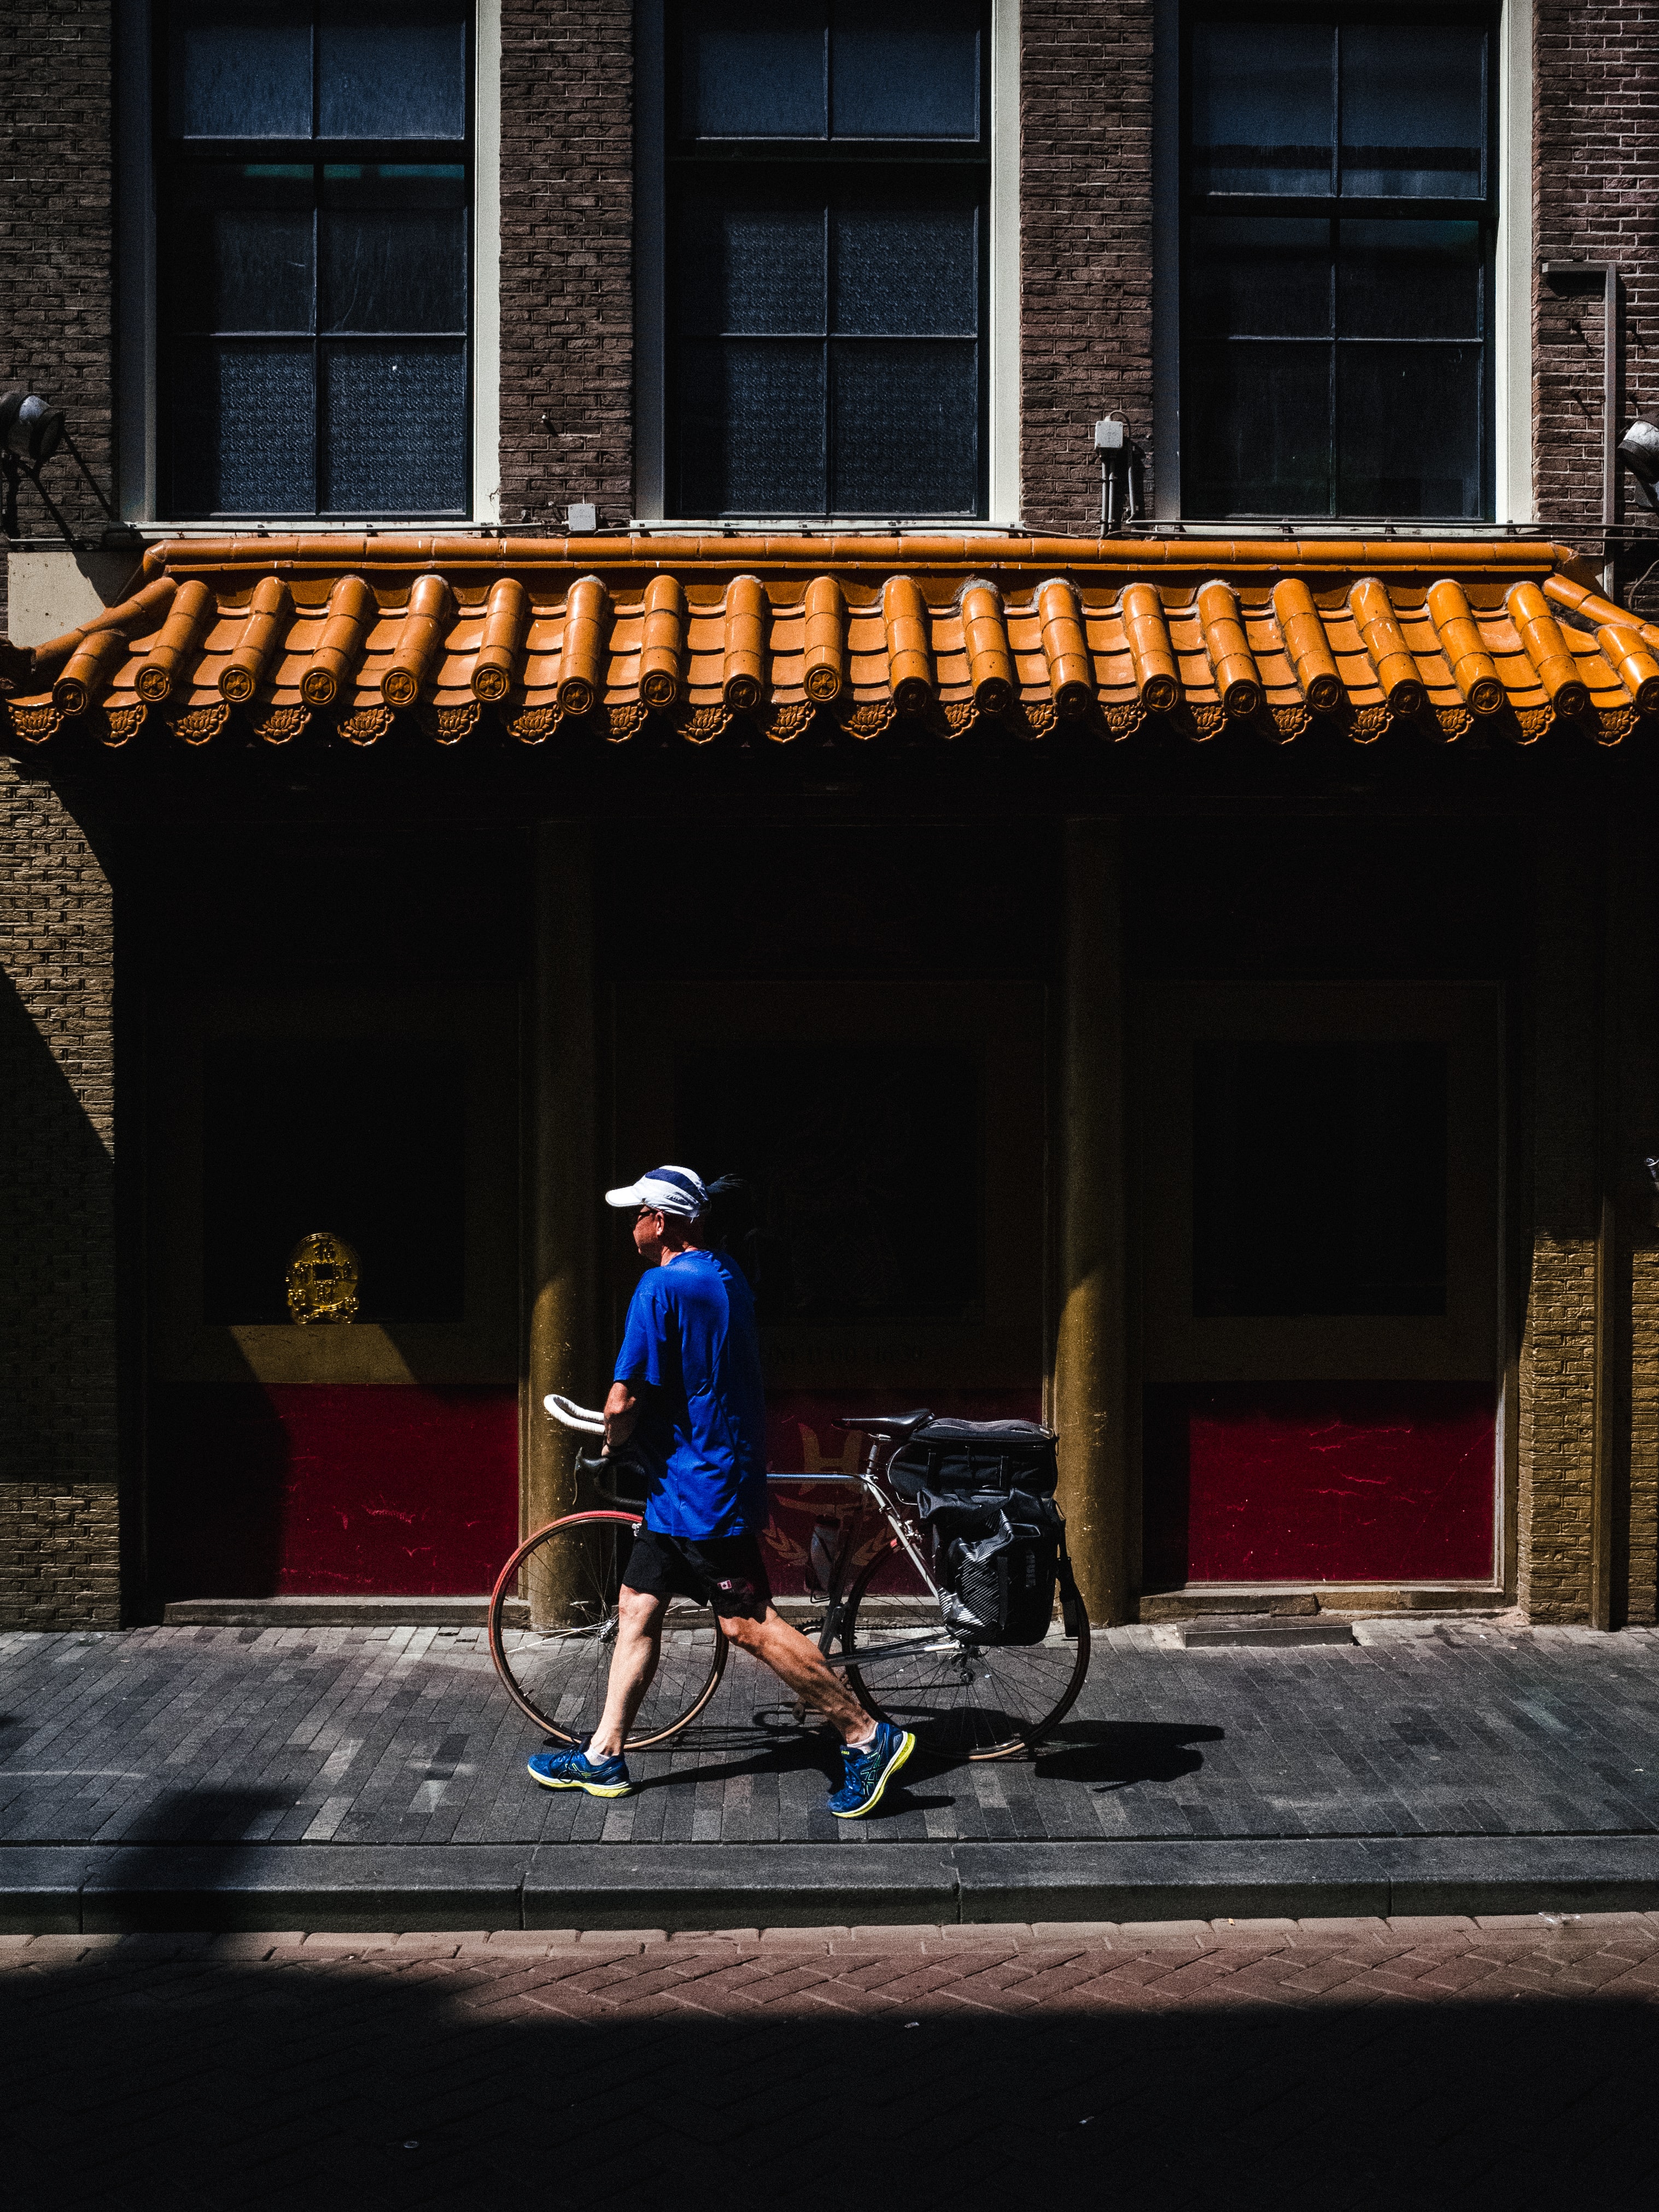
403,1737
1362,2063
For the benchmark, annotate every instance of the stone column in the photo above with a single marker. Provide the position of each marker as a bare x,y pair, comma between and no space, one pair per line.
1563,1552
561,1151
1089,1390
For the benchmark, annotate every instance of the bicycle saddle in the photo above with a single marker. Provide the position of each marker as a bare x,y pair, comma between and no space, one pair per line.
892,1428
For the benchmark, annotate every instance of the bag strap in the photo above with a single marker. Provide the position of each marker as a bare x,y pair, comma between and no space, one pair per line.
1071,1601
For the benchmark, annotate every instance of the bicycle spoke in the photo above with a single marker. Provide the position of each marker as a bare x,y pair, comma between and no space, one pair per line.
557,1669
963,1699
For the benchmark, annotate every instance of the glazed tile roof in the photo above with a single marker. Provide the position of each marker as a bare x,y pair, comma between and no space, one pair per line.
759,635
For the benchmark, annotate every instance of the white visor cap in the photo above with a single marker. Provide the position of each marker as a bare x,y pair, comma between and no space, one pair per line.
667,1190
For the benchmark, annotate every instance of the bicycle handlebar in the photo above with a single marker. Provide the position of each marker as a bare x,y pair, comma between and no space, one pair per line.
585,1419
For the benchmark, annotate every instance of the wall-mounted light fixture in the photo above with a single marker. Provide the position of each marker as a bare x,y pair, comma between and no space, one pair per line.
1638,449
1121,461
31,431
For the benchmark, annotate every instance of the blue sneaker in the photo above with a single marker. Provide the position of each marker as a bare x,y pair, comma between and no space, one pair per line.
569,1769
870,1770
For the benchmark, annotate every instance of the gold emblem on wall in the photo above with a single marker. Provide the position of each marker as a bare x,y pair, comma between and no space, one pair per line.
322,1279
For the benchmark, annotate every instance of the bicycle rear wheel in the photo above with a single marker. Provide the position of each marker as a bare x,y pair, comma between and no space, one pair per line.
556,1671
962,1700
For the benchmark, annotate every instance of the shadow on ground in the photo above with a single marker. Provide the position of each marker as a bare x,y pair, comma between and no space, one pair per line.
135,2081
1113,1754
207,1816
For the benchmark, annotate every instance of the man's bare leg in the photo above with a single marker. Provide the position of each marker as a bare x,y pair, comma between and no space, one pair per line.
633,1663
799,1662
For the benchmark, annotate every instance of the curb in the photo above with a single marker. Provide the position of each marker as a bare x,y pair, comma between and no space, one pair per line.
386,1887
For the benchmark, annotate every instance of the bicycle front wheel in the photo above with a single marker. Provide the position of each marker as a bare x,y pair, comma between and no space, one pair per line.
556,1670
962,1700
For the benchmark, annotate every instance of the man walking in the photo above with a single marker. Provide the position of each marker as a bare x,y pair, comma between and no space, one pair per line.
688,1389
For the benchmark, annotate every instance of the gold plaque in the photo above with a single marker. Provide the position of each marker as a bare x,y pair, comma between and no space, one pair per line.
322,1279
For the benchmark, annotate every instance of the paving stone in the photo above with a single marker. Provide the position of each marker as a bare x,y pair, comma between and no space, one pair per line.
256,1943
161,1738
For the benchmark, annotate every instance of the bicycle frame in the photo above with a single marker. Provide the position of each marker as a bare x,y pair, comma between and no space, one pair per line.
587,1423
866,1479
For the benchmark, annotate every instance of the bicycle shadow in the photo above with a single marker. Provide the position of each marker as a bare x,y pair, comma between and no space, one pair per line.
1115,1754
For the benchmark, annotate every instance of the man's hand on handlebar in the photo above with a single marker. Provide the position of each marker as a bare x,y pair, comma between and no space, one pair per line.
622,1414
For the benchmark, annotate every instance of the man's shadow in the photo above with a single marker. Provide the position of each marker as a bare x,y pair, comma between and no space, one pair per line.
1112,1754
1101,1754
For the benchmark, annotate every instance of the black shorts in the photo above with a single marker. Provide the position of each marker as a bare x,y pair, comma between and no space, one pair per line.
726,1573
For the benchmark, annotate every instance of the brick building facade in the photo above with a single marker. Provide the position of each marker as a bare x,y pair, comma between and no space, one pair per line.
172,893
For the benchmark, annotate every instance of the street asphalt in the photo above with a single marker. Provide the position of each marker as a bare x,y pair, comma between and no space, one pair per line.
375,1778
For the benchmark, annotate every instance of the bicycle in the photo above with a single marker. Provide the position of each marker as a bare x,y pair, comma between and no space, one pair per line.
902,1659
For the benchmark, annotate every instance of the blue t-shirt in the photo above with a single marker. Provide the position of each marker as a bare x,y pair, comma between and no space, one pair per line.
690,1331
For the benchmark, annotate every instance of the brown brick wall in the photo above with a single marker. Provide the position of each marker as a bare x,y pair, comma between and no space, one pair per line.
57,255
60,1555
59,1519
1596,197
567,259
1631,1122
1086,99
1558,1346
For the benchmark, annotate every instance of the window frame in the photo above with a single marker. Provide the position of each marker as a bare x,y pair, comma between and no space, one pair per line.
1181,204
167,156
662,154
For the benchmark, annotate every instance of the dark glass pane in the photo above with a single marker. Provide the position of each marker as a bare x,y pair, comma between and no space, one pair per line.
391,68
391,259
757,270
834,1168
1408,279
903,269
747,72
906,427
1263,99
1259,276
1319,1178
752,428
905,69
1409,430
1413,110
240,71
242,416
1255,428
394,427
242,254
275,1169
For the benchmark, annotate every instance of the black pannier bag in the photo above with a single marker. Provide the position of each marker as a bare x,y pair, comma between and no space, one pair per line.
997,1557
1003,1457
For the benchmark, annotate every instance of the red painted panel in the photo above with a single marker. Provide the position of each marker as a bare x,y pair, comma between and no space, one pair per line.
801,1433
325,1490
1320,1482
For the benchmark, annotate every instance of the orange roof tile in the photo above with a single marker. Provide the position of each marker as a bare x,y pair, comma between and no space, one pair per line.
701,633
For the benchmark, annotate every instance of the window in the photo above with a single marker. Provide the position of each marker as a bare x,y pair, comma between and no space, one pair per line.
312,208
1319,1177
333,1134
828,171
1338,214
834,1174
